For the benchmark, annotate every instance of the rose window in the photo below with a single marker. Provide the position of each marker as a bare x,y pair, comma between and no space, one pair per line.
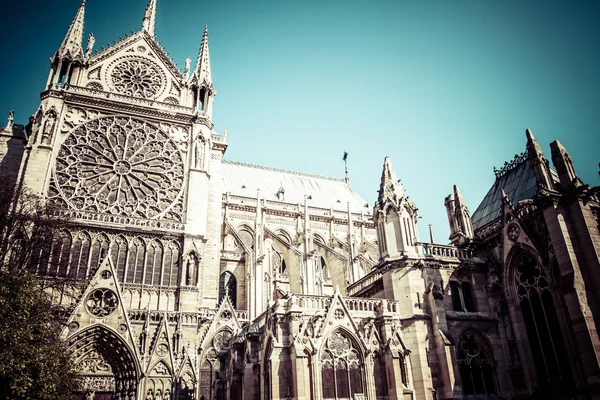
137,78
120,166
102,302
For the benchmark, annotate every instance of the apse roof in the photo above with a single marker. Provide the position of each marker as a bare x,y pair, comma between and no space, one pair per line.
241,179
518,183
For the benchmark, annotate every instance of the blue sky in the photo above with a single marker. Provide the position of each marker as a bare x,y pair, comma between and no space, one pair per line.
444,88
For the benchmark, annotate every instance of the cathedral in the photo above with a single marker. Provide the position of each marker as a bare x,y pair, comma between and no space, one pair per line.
212,279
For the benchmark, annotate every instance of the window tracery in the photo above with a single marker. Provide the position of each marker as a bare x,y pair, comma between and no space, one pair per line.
138,78
476,365
341,368
120,166
102,302
540,320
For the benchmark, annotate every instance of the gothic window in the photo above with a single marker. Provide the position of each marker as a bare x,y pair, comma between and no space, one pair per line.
279,263
60,254
156,261
228,286
120,166
341,369
379,372
79,255
171,264
541,322
136,261
138,78
99,253
462,296
475,364
120,257
323,265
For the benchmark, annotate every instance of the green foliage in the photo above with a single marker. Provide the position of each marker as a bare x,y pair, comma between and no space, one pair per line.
34,362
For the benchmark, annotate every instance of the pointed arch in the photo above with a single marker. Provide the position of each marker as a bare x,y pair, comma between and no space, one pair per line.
529,287
476,363
209,363
99,251
342,365
101,355
228,286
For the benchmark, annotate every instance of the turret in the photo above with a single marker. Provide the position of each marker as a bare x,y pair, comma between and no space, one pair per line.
67,61
396,217
201,79
538,162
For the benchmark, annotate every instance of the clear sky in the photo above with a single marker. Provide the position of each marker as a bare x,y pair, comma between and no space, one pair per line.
446,89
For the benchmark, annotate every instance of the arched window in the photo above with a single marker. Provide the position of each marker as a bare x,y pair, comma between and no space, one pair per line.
541,321
476,365
279,263
209,386
120,257
228,285
462,296
341,368
324,271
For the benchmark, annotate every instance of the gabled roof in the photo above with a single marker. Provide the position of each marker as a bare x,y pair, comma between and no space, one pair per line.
519,184
241,179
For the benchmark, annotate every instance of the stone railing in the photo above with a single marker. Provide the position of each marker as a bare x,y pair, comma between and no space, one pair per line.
439,250
293,208
129,99
310,301
364,282
380,305
187,318
124,220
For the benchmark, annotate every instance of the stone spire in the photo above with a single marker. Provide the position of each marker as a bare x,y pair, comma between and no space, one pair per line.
149,20
538,162
72,44
564,166
202,70
390,188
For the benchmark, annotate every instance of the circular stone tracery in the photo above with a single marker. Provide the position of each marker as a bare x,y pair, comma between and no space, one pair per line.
122,166
102,302
138,78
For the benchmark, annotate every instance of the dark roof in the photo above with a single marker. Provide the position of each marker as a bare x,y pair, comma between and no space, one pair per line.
518,183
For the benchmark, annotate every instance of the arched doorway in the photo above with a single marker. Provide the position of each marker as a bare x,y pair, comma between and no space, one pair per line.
106,364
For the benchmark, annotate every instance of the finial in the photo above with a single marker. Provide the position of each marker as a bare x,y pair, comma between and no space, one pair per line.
346,166
11,119
431,237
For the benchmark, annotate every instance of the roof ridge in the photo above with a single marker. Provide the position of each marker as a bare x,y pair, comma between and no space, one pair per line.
287,171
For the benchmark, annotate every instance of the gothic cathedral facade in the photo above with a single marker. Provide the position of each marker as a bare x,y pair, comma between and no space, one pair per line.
213,279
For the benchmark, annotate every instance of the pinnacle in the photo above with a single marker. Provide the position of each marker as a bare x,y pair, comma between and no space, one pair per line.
72,43
149,20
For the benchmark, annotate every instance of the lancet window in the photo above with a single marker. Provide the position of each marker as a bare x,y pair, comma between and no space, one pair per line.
140,260
541,321
476,365
462,296
228,286
341,368
279,264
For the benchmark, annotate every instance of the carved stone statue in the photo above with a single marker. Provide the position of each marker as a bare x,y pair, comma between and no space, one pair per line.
90,45
199,153
48,130
186,71
90,394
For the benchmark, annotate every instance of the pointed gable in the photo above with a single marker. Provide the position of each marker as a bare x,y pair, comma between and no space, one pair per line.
102,304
